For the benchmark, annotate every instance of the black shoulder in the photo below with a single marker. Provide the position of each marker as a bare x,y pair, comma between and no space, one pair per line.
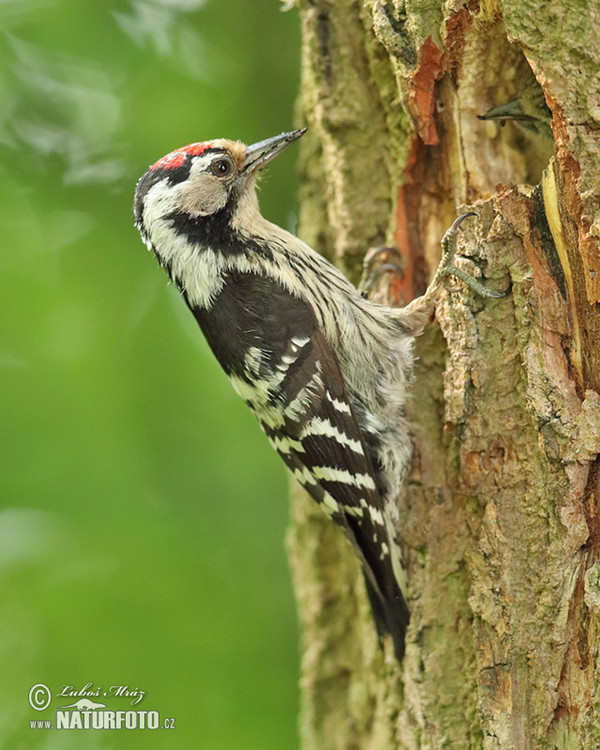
253,312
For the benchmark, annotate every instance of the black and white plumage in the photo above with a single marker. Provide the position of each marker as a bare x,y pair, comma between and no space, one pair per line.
325,371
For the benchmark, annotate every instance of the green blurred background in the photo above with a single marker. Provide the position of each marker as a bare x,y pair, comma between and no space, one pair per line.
142,514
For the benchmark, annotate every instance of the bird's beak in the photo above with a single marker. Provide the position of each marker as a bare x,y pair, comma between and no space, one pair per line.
509,111
261,153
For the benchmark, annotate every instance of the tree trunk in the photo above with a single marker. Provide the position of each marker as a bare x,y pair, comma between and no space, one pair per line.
500,527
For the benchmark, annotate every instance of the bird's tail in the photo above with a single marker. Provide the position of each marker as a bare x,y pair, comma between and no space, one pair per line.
391,615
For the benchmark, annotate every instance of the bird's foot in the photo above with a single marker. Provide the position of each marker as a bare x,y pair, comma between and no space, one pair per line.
384,277
448,268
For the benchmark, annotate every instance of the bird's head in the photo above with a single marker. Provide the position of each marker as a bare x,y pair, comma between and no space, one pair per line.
201,181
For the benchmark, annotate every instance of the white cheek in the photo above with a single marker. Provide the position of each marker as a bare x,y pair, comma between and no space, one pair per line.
202,195
199,195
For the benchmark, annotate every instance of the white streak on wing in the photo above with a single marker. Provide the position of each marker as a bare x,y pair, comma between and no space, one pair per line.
285,444
299,342
253,360
343,476
319,426
295,346
243,389
351,510
267,386
375,513
304,476
287,360
304,397
259,389
339,405
329,505
256,395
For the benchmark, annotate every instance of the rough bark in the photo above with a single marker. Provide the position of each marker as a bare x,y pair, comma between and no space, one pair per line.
500,525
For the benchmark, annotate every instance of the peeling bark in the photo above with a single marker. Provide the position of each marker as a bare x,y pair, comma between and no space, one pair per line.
499,520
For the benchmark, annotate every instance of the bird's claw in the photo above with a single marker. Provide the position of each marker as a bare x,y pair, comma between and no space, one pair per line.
477,286
447,266
383,276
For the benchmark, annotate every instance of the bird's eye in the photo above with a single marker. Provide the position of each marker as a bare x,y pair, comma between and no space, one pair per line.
221,167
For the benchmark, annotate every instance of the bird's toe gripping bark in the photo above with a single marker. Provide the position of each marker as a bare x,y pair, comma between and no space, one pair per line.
383,278
448,268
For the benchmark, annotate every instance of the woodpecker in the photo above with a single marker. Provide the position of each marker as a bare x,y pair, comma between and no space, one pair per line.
325,371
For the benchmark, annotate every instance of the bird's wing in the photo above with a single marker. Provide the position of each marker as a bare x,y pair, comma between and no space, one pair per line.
290,377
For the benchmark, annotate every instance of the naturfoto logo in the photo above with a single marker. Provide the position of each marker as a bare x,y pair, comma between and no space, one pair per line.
87,712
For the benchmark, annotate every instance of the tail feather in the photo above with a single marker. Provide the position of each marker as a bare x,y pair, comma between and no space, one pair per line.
391,616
